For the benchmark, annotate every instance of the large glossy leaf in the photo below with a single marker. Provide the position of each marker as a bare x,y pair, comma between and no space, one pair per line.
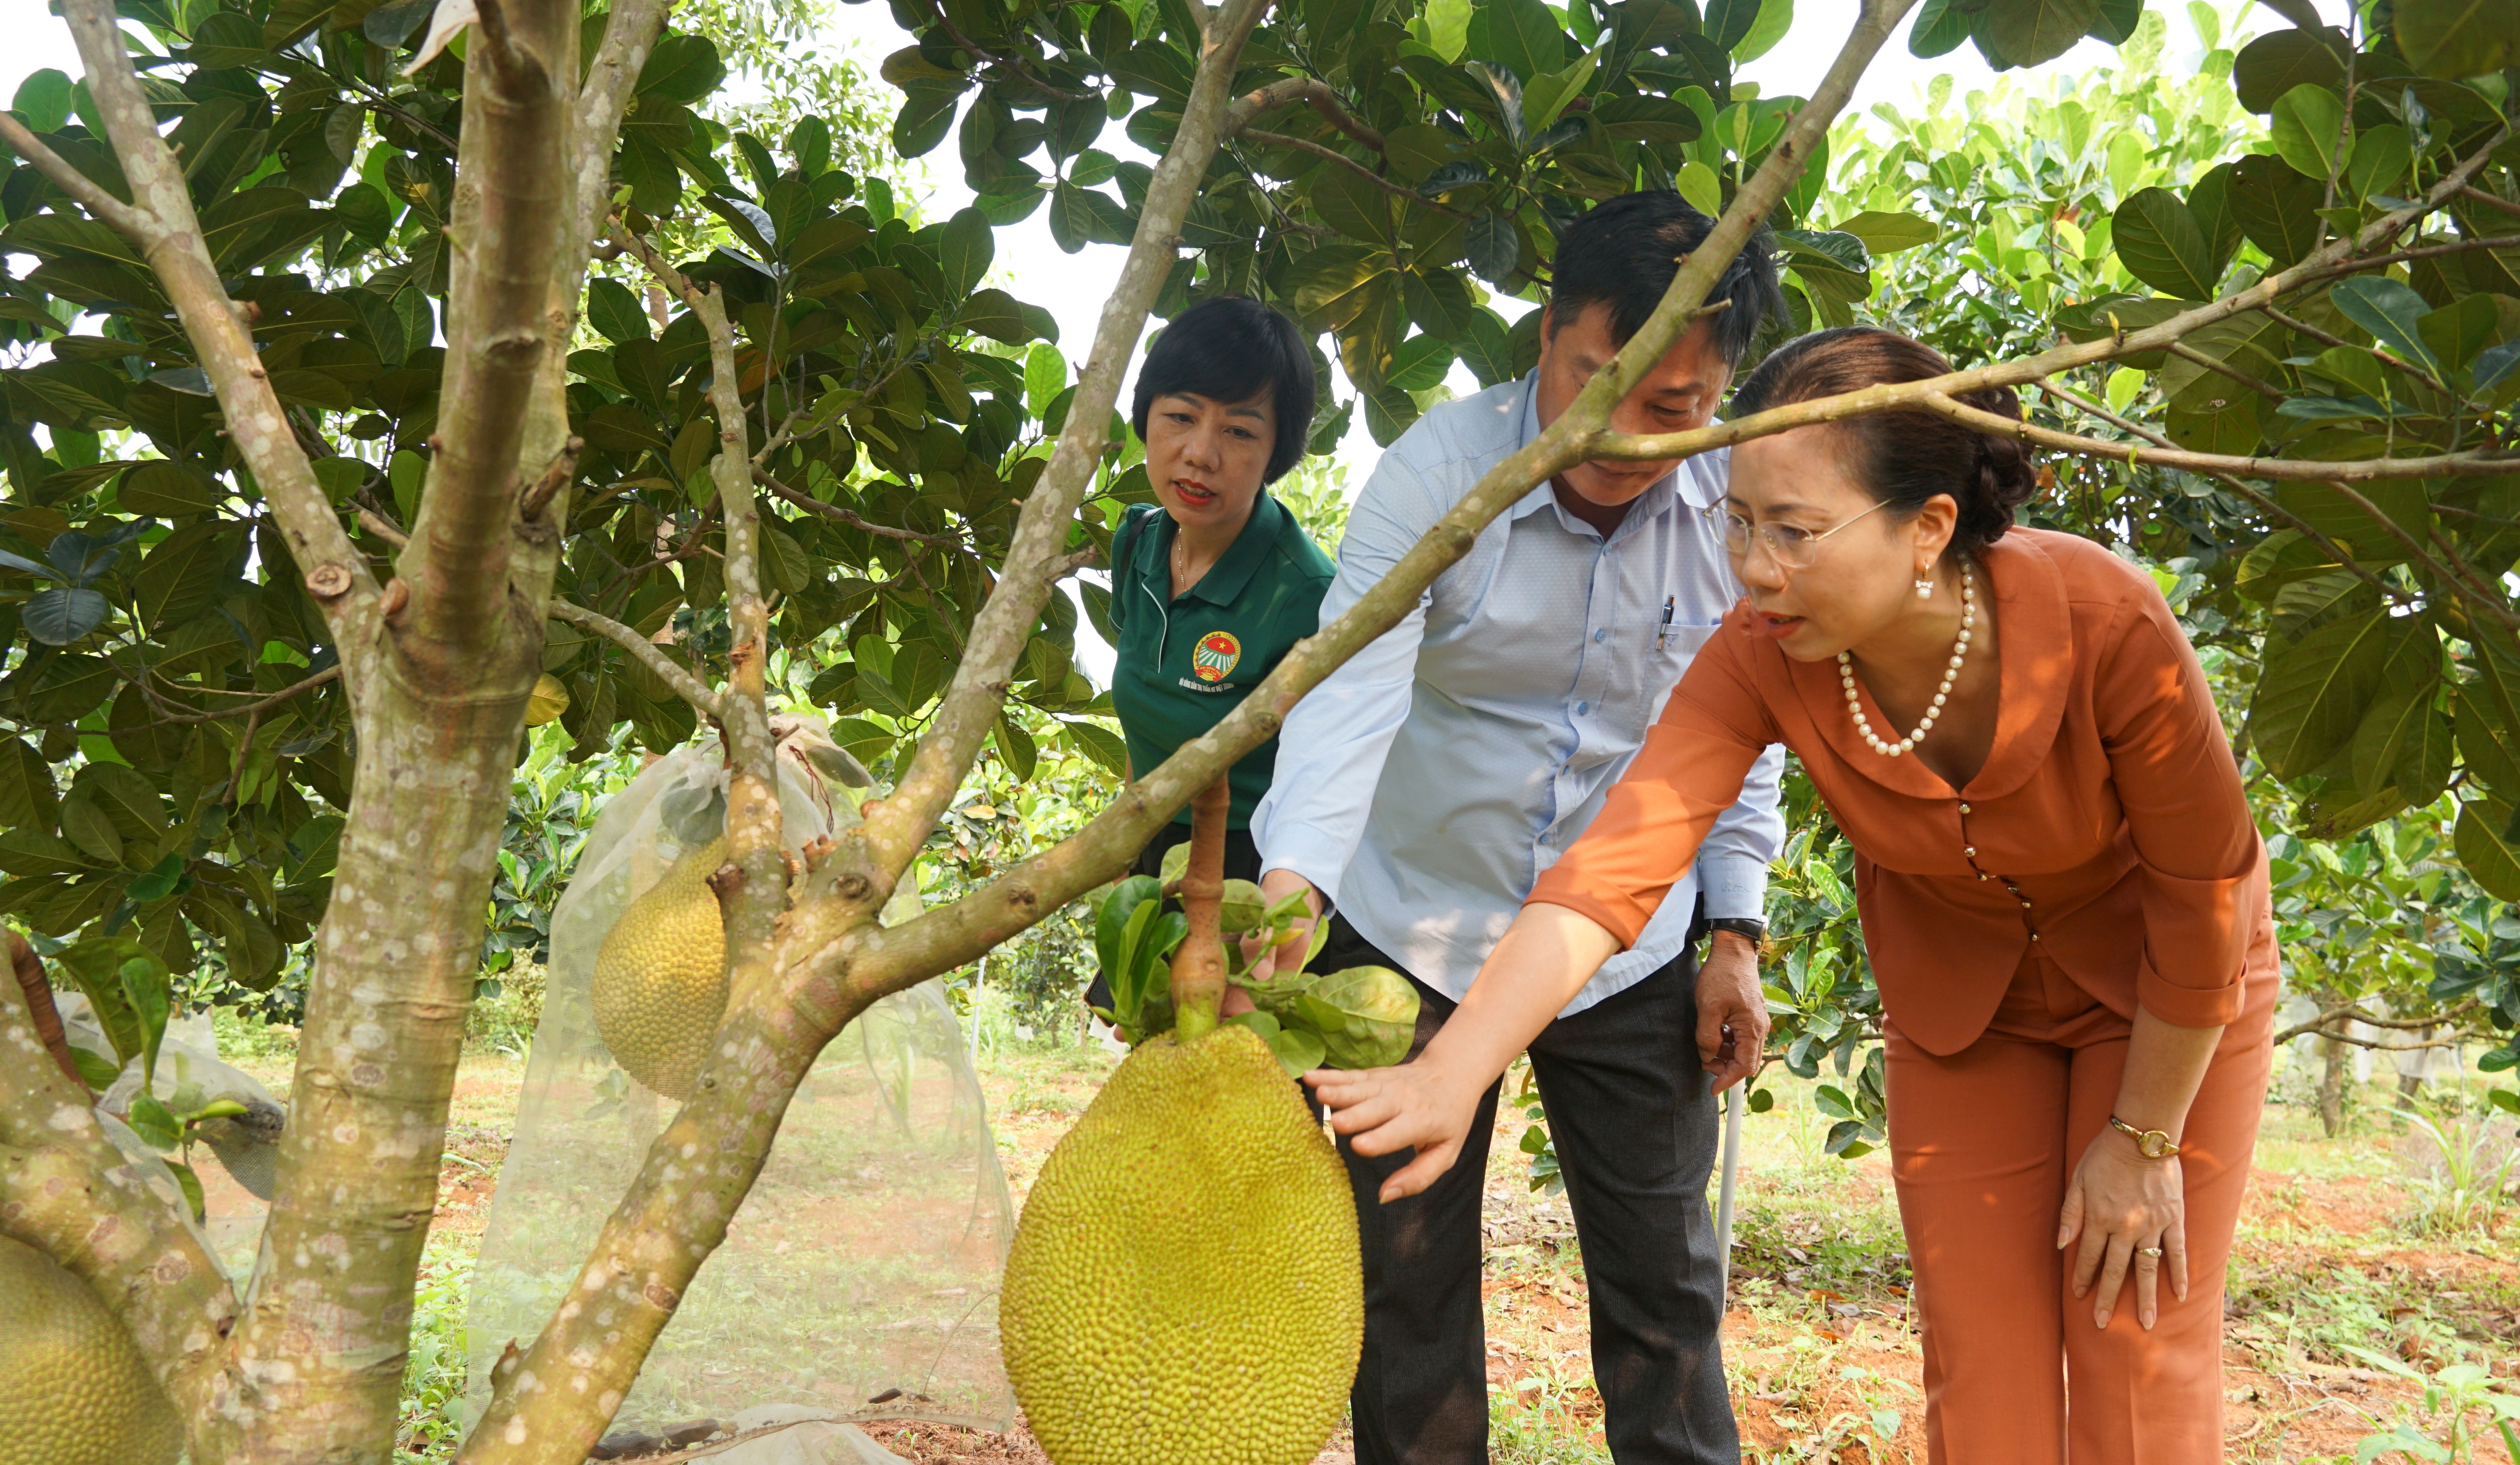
2491,859
2160,243
2459,37
2026,32
2315,691
64,614
2281,60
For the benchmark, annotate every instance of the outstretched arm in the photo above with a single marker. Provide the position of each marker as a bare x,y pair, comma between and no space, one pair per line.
1545,957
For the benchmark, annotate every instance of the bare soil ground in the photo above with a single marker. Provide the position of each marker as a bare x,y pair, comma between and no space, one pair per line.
1819,1344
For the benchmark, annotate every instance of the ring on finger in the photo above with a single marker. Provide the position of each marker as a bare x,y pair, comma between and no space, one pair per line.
2153,1252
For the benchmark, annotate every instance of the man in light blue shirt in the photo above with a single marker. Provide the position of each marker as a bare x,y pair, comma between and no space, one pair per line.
1424,785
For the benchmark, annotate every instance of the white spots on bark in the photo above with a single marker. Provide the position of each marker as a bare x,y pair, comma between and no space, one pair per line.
515,1434
71,1118
609,1400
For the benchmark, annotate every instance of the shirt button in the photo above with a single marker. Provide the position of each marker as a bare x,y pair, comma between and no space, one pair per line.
2034,936
1969,850
1582,707
1602,633
1964,809
2025,905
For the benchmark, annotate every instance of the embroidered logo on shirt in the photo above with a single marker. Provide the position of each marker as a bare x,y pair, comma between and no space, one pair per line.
1215,655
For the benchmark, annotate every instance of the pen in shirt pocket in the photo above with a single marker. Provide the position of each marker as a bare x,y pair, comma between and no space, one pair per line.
1669,603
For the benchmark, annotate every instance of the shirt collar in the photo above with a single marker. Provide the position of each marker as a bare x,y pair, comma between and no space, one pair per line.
1682,484
1225,580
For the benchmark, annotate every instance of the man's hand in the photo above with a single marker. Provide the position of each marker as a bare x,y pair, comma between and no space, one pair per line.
1732,1010
1419,1105
1275,884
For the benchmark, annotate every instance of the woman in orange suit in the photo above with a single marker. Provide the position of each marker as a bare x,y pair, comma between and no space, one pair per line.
2062,892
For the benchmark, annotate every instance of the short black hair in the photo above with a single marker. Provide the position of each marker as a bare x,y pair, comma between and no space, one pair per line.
1624,252
1231,348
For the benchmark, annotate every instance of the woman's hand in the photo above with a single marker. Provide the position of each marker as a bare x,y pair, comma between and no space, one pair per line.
1420,1104
2120,1204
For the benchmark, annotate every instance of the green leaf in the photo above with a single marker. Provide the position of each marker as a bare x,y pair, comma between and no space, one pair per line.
1520,35
2026,32
1099,743
2277,62
2455,38
1884,233
2308,127
2276,206
150,1120
2392,312
43,98
146,986
2491,860
2159,242
1775,19
1939,27
615,312
63,615
966,245
2313,694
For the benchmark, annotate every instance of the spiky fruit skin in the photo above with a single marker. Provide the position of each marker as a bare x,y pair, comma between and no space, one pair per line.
1185,1285
660,985
74,1387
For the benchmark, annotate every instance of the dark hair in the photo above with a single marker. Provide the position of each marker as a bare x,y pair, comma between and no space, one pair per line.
1623,252
1231,349
1904,458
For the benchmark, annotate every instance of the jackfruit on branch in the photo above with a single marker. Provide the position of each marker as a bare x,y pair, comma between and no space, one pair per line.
74,1387
659,984
1184,1284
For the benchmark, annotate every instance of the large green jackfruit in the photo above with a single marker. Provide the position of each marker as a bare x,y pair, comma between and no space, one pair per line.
74,1387
659,984
1185,1286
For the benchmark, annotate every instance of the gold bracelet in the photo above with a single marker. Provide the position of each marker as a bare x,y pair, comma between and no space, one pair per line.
2153,1145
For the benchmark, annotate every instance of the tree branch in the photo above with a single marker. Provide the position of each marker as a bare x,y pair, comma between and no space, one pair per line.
629,36
41,1013
511,167
2490,200
2292,468
850,517
171,242
2264,503
329,674
2027,370
665,668
67,1192
2266,389
2330,338
1280,140
86,192
1317,94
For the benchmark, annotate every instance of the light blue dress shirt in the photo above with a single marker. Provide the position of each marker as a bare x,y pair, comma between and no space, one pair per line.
1424,785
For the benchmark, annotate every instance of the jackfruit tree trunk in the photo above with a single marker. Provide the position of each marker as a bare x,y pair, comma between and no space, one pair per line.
1198,963
438,663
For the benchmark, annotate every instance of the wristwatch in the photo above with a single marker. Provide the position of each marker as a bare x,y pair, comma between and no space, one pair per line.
1749,928
2153,1144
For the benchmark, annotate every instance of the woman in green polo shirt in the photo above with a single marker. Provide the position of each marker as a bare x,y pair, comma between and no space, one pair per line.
1213,584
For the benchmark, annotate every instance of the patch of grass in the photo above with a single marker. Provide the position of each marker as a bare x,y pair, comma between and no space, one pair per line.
433,1376
241,1036
1543,1419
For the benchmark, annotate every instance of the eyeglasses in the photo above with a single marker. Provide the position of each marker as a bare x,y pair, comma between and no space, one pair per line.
1795,548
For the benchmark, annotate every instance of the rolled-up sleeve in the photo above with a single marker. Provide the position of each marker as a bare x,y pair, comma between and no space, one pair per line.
2187,815
1693,773
1331,749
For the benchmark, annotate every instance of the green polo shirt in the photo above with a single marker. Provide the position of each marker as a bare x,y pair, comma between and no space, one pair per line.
1184,661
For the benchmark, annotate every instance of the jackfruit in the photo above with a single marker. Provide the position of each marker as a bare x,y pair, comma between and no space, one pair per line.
659,984
74,1387
1184,1284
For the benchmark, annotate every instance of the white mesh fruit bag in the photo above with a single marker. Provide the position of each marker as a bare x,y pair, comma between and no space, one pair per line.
860,1277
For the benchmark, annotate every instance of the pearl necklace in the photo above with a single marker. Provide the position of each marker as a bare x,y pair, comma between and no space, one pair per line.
1950,674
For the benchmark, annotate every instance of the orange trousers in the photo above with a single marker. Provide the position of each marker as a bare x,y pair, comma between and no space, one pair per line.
1982,1144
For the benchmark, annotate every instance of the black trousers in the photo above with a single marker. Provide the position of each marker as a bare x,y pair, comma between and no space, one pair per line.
1636,1134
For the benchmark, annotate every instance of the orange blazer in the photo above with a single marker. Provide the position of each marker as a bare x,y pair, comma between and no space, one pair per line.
2108,825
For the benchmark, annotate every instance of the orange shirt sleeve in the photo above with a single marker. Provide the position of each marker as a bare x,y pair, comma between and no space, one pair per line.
1688,771
2186,814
